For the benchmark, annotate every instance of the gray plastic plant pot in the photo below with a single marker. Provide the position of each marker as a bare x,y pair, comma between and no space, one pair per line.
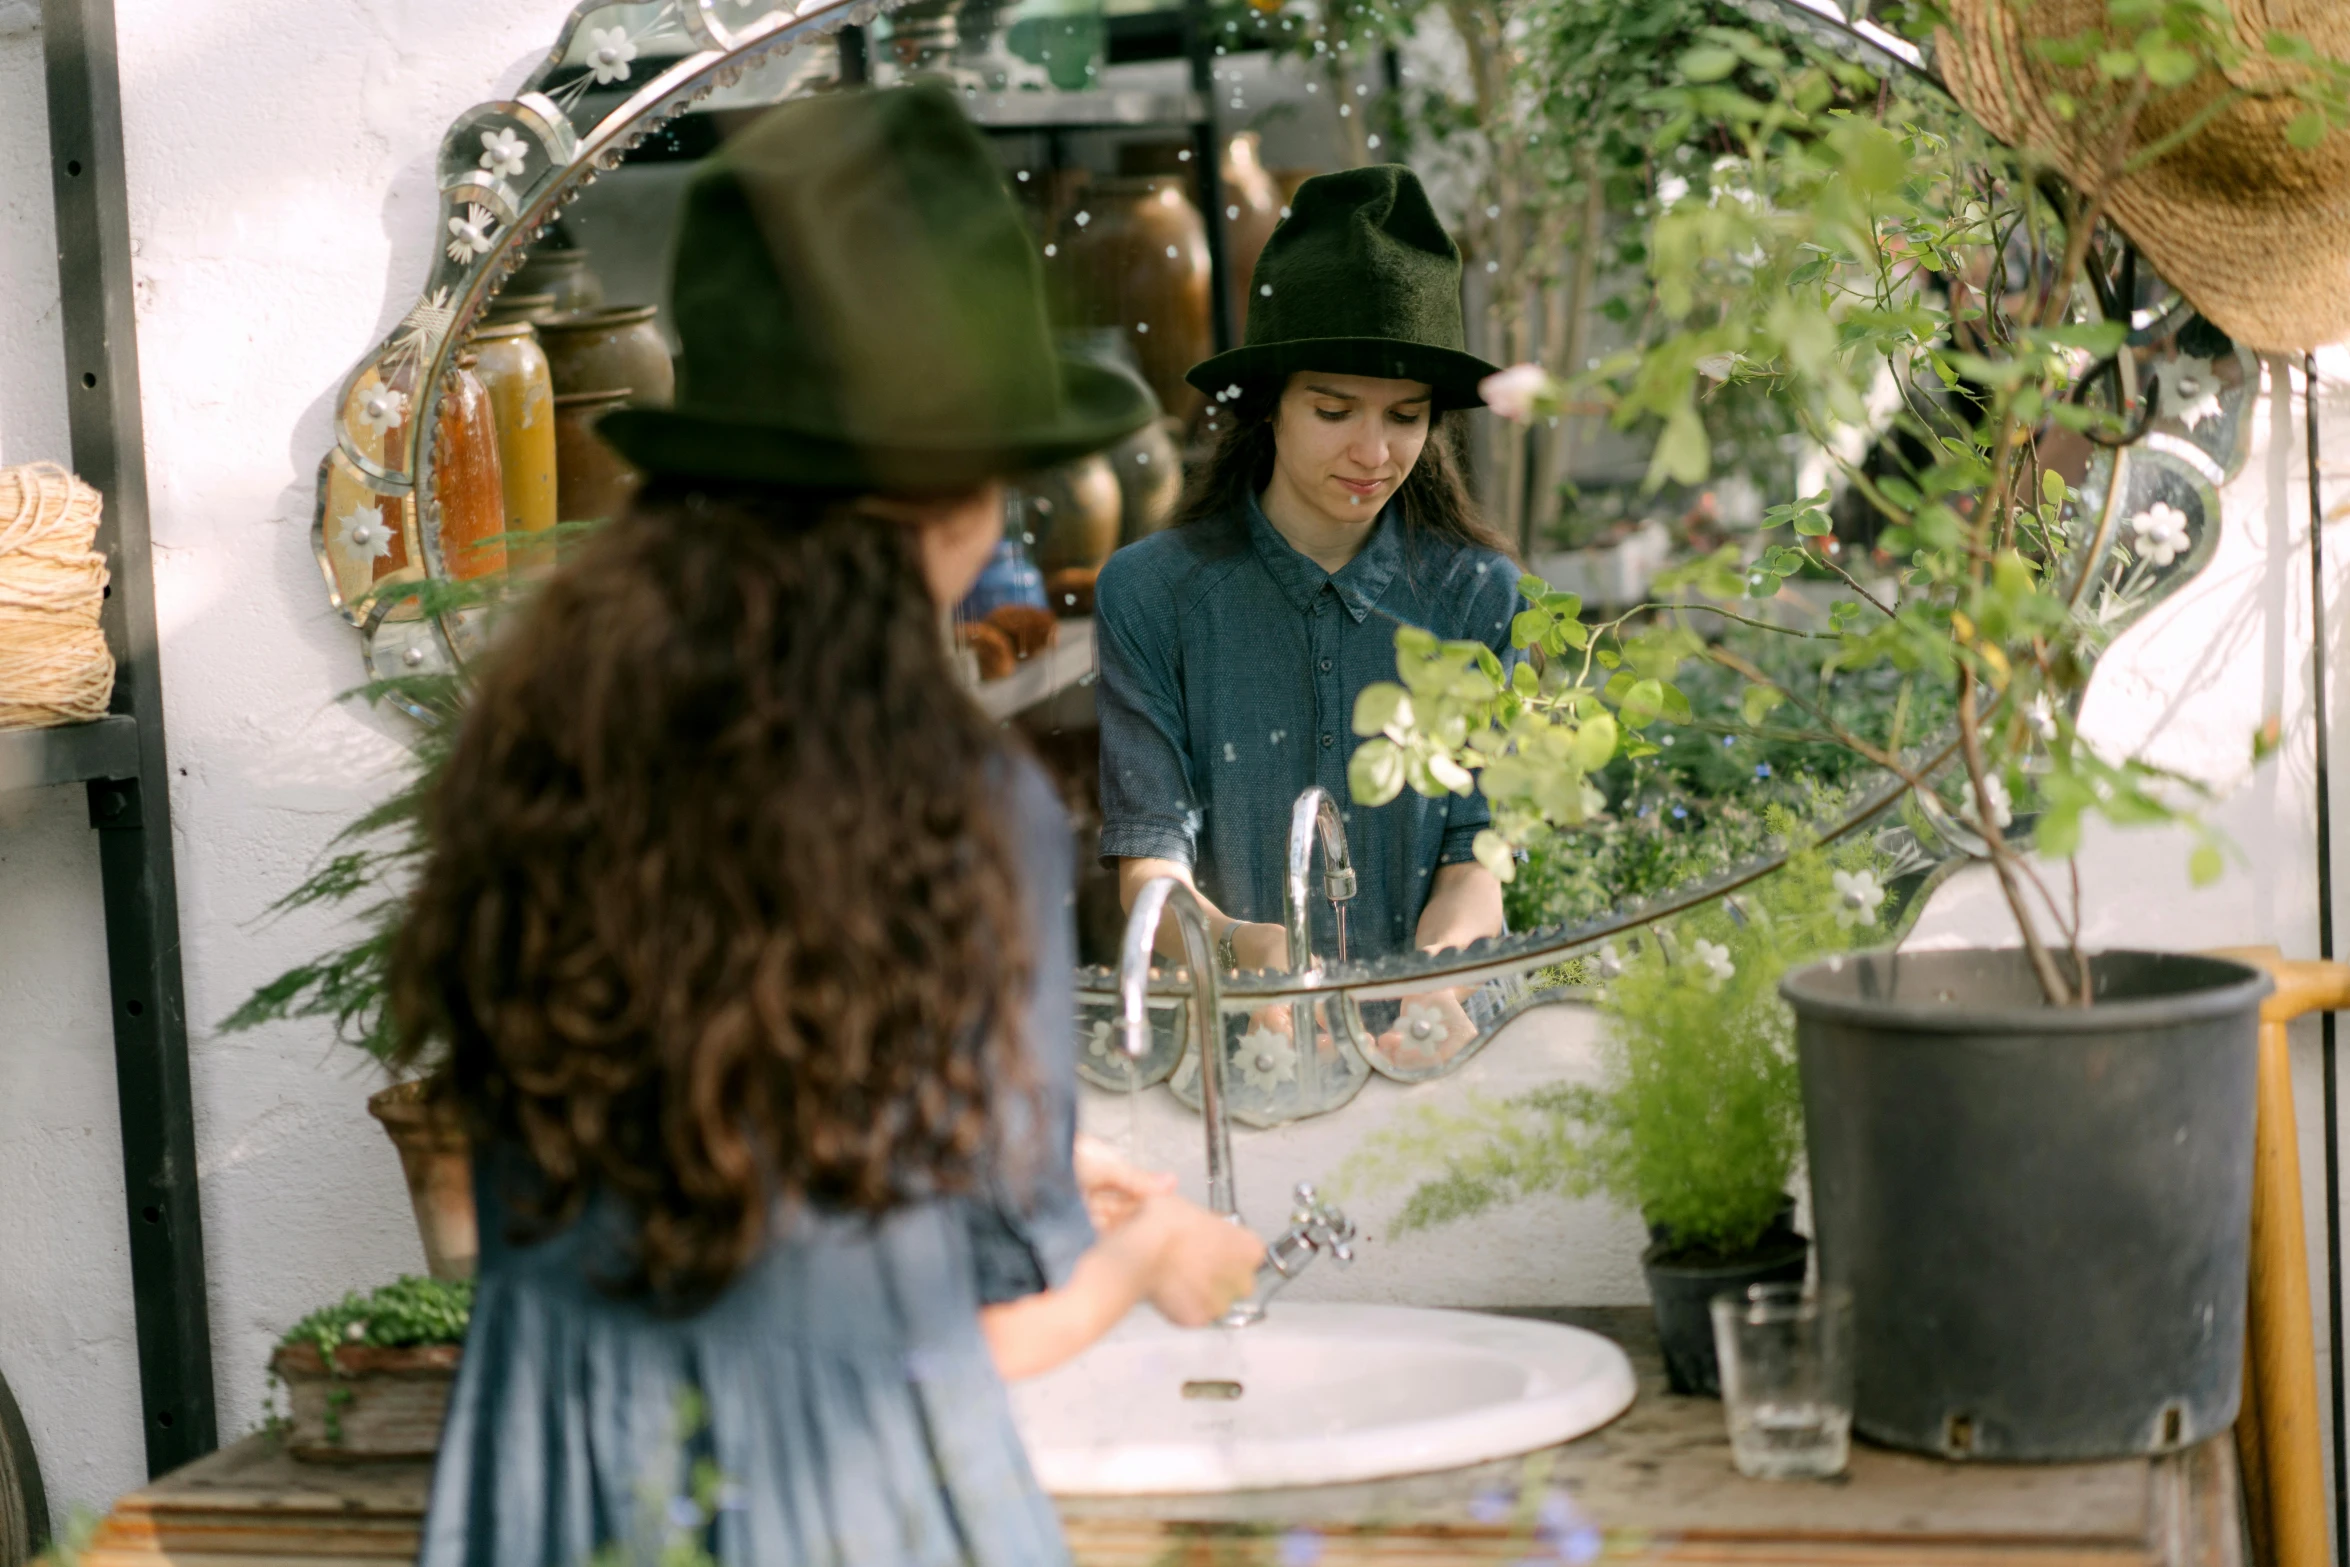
2042,1213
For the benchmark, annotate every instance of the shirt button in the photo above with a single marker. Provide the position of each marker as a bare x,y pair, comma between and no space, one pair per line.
1325,666
1328,741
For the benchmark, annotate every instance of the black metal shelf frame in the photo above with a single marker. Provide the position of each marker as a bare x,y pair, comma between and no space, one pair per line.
121,758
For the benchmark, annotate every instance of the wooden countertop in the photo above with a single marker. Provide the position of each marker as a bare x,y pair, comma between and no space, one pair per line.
1657,1485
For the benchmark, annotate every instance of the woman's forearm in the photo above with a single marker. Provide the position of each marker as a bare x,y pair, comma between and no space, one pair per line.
1030,1336
1463,905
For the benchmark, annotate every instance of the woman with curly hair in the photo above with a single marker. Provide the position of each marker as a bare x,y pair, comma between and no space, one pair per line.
748,934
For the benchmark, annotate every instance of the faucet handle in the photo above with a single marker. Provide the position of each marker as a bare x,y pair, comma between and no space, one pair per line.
1324,1224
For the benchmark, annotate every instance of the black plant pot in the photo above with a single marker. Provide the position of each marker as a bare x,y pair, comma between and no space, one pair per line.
1683,1281
2042,1214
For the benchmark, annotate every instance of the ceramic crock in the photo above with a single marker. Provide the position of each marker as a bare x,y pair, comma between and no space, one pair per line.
606,350
592,481
1137,260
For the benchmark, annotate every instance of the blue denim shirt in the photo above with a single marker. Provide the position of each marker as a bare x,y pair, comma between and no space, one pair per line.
1230,664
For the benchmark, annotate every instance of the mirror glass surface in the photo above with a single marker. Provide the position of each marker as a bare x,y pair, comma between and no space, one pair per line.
1180,703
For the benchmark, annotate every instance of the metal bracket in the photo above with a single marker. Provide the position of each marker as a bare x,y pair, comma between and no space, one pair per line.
133,814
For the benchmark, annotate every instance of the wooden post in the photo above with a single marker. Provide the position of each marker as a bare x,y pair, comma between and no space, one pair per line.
2278,1439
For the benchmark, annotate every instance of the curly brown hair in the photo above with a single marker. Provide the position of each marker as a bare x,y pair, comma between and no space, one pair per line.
721,908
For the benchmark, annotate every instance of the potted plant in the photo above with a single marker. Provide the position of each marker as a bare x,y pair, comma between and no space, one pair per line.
2032,1165
1696,1121
365,874
369,1377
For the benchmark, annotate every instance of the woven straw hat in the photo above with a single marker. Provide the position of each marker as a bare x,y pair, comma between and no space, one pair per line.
2254,231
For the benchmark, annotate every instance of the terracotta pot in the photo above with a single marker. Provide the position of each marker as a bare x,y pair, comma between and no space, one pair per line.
610,350
466,478
375,1404
522,401
1252,210
1073,511
592,481
1286,181
513,306
438,1162
561,273
1149,467
1139,262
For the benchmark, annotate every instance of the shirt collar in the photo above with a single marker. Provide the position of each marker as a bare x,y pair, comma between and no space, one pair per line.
1359,584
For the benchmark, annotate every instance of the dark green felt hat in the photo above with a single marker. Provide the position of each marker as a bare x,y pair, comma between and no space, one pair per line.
860,306
1360,279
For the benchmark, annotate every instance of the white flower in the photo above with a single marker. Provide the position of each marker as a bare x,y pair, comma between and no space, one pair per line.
1102,1041
356,1332
1857,897
2202,408
470,234
2162,532
503,152
381,407
1608,961
2002,805
1715,958
1267,1059
364,532
1518,393
609,52
2041,715
1717,367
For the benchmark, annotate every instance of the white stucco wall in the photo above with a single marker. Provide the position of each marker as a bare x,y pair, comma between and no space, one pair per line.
281,201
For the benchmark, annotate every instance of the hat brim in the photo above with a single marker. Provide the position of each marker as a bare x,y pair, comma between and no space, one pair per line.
1098,408
1451,374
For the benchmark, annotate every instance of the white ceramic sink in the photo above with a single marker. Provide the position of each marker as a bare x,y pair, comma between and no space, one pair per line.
1313,1395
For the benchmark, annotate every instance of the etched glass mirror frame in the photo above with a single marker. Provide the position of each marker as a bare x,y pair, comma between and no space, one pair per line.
507,169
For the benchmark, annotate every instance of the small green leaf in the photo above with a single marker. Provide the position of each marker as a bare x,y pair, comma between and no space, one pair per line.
1378,706
1708,63
1494,853
2307,130
1375,773
2205,865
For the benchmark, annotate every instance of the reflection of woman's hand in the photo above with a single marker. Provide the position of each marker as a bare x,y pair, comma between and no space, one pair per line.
1113,1189
1428,1030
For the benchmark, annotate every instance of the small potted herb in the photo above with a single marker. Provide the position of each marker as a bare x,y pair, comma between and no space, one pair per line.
1697,1120
369,1377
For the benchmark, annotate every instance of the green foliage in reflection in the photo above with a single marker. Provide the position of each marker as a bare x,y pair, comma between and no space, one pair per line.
1696,1121
1887,276
366,871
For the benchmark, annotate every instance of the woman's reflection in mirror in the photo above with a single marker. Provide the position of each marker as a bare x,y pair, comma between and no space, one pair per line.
1331,513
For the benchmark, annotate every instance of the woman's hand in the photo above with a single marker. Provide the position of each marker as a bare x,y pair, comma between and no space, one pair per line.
1192,1264
1114,1190
1259,945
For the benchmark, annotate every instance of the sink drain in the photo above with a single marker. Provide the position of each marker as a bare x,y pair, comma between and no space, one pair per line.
1226,1391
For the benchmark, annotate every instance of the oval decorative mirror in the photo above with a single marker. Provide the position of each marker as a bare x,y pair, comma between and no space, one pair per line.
465,447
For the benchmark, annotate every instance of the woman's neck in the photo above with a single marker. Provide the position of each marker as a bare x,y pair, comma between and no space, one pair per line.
1320,538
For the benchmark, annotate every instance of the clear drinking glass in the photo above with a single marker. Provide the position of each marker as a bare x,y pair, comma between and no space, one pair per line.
1786,1359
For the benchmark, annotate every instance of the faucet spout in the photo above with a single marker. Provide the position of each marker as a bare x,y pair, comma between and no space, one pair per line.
1160,896
1315,815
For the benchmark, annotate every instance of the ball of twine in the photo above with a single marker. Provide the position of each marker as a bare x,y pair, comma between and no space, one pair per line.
54,667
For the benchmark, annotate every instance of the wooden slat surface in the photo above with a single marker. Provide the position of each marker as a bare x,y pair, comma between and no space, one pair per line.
1657,1484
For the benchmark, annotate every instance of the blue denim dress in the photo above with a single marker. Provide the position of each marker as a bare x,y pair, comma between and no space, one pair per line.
839,1390
1230,664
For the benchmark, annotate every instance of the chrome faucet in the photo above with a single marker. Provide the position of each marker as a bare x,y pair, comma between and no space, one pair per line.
1316,814
1158,896
1315,1228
